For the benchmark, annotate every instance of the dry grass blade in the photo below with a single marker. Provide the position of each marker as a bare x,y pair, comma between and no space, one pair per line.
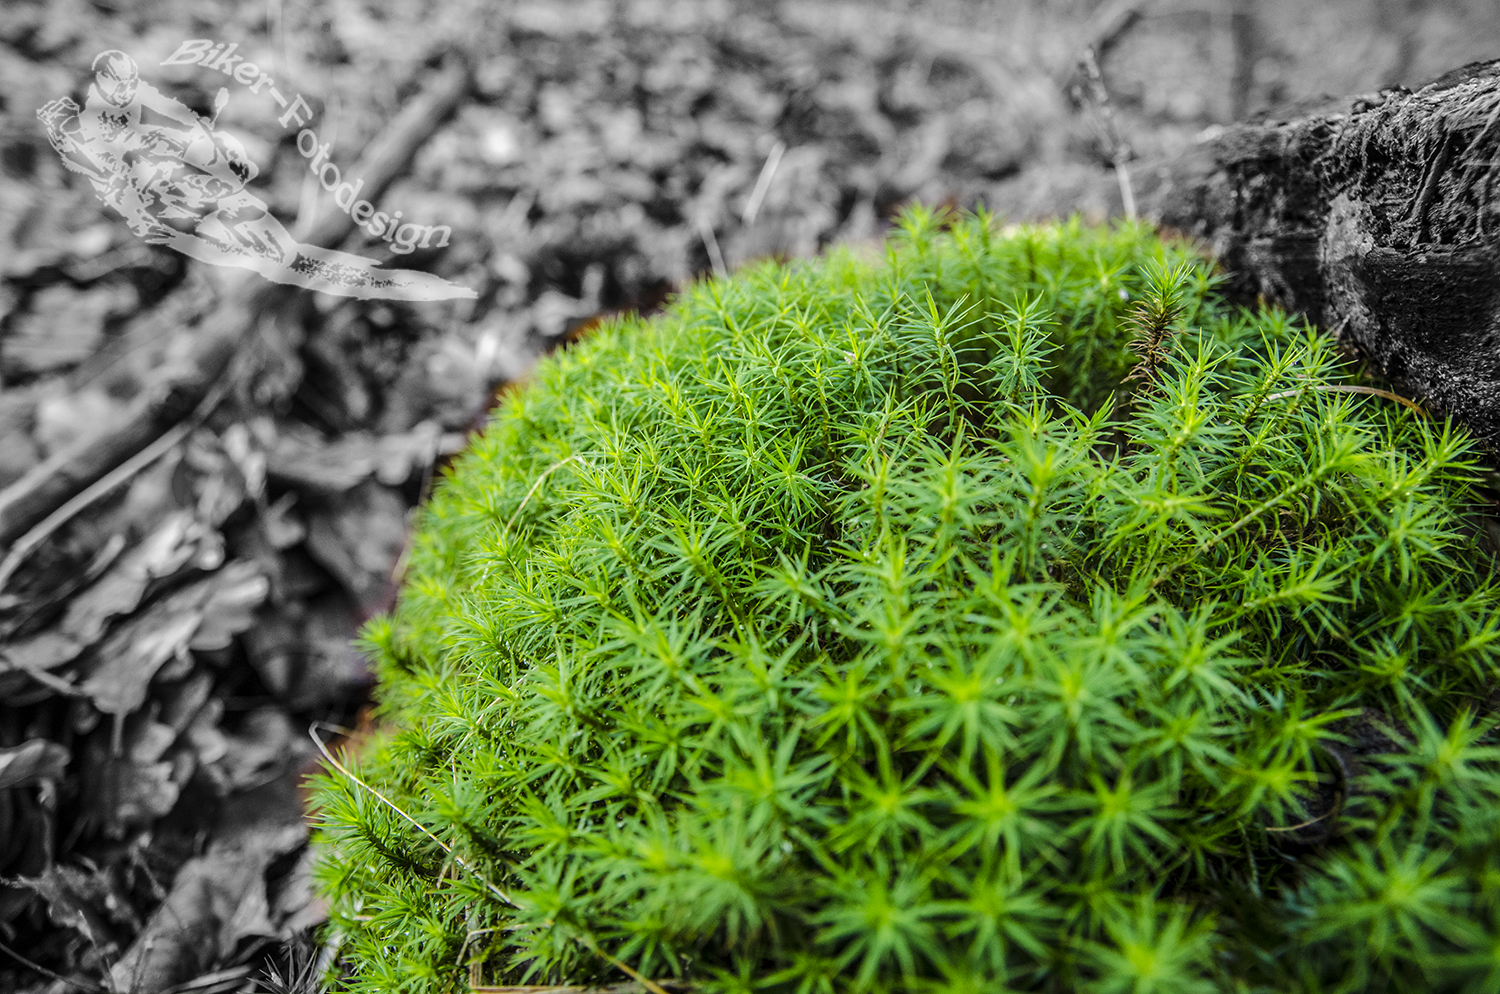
1340,388
312,731
623,967
534,487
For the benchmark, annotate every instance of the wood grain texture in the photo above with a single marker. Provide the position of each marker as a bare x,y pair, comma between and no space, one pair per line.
1373,216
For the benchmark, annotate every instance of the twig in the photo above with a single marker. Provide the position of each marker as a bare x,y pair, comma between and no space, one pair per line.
706,232
763,183
1120,152
1301,825
389,155
107,483
224,981
56,684
1110,22
79,984
219,336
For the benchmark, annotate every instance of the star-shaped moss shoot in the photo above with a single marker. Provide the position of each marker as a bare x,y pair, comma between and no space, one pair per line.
1008,613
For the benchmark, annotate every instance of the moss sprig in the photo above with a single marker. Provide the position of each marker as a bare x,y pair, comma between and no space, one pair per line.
821,635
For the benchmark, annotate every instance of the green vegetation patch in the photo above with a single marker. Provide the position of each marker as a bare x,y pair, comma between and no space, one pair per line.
1008,613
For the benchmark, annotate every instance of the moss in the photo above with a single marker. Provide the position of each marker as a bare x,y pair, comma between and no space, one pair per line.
1008,613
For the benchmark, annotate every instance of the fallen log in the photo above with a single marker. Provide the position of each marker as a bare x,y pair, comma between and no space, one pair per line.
220,334
1376,217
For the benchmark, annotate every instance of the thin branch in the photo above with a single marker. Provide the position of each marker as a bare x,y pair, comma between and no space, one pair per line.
1120,152
711,242
623,967
1110,22
1293,828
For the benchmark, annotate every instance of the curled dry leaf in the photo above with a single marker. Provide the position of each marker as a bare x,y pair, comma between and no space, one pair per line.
179,543
360,540
231,606
216,480
218,899
202,615
26,819
36,759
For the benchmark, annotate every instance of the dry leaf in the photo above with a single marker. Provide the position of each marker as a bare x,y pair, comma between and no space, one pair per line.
216,900
230,609
302,459
179,542
360,541
202,615
36,759
62,327
75,897
133,794
264,747
41,652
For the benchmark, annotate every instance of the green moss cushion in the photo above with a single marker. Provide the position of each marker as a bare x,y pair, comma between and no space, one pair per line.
1006,613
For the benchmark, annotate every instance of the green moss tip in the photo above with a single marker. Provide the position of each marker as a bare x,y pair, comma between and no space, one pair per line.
1008,613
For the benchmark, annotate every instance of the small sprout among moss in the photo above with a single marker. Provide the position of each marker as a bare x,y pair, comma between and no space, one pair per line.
866,627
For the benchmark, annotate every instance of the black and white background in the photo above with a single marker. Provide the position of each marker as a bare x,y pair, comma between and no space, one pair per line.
175,614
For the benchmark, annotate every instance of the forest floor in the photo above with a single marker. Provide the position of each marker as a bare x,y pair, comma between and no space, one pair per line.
166,644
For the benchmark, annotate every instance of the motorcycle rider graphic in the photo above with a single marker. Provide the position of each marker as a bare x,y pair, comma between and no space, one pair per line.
182,184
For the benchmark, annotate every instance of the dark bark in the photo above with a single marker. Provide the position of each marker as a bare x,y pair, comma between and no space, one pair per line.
1376,217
